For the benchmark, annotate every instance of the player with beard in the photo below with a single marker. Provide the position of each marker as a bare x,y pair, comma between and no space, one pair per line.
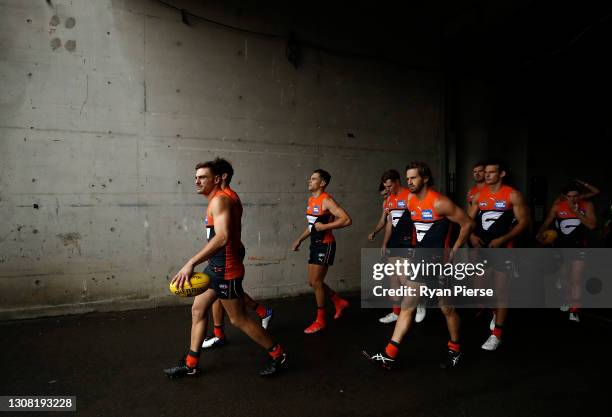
432,213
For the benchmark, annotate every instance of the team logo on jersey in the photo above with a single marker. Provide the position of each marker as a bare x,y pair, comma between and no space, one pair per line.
563,213
413,213
427,214
482,204
500,204
401,204
422,229
567,226
315,209
489,217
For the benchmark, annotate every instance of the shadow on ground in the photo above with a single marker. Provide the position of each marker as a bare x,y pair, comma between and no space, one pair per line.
113,363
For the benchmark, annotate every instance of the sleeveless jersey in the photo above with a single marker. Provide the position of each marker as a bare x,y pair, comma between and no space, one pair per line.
227,261
472,192
432,229
571,231
397,206
238,207
315,214
495,215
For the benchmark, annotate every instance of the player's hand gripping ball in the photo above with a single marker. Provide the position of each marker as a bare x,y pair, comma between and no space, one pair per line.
548,237
199,283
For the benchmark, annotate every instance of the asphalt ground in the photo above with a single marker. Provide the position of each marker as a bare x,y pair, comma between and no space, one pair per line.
112,362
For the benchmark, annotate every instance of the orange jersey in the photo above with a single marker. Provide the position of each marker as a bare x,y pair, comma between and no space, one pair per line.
472,192
234,196
397,206
227,261
432,229
495,215
572,233
316,214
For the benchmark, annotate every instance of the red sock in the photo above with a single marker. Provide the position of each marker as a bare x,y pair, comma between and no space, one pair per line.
497,332
261,311
275,351
392,349
396,310
455,347
218,330
192,359
574,310
321,315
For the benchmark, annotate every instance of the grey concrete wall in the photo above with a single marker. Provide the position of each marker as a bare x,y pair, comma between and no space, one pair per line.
107,105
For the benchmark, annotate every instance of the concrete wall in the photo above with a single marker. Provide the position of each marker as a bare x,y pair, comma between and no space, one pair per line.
107,105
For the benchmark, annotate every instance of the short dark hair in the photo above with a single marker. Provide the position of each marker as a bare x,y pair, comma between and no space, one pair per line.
572,186
390,174
224,167
499,162
326,176
208,164
381,187
479,164
423,169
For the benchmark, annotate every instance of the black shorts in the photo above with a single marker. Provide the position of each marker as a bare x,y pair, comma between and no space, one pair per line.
499,259
573,253
322,253
395,250
226,289
431,278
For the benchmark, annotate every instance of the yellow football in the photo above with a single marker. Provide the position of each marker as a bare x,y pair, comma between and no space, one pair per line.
549,236
199,283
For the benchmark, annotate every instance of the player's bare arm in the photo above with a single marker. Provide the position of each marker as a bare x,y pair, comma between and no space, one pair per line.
379,226
220,210
342,219
521,213
445,207
295,246
476,241
550,217
587,217
592,191
387,236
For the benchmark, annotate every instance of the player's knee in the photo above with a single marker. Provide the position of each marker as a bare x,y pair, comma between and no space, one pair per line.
197,312
314,283
406,311
447,310
238,320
